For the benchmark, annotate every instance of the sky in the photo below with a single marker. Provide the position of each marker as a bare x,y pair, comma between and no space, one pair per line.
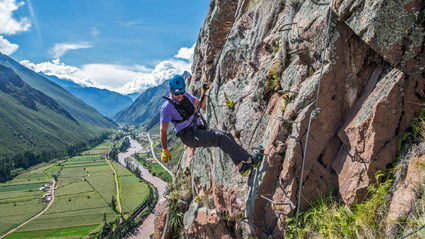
125,46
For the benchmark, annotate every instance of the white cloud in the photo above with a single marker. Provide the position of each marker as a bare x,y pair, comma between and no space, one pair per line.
6,47
163,71
11,26
61,48
110,75
119,78
186,53
94,32
60,70
130,23
8,24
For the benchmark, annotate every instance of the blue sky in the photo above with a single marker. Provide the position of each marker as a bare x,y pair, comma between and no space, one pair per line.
121,45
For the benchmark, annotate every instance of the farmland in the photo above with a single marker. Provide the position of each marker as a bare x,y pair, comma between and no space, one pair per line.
131,189
84,191
18,198
154,168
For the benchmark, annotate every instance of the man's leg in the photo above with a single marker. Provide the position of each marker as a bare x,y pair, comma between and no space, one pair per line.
217,138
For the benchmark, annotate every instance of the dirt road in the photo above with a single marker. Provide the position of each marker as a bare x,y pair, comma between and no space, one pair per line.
45,209
117,188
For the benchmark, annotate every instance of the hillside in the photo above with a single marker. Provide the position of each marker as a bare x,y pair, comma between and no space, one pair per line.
342,101
106,102
78,109
32,121
146,106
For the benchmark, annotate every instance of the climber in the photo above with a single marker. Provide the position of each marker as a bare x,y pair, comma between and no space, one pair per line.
179,109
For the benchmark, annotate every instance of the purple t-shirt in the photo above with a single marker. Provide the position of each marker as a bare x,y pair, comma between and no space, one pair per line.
169,113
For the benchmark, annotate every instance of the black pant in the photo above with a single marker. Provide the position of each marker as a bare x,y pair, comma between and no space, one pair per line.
215,138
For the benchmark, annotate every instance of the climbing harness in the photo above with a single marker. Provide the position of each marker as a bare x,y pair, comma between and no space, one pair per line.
312,115
198,115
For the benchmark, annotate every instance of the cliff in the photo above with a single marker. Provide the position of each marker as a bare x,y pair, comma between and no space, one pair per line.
266,57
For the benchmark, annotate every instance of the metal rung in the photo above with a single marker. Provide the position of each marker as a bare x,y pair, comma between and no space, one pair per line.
289,24
254,148
286,91
268,199
297,51
262,154
315,2
289,121
242,219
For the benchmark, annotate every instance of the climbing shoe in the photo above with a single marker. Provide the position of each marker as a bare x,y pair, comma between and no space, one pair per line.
257,157
245,169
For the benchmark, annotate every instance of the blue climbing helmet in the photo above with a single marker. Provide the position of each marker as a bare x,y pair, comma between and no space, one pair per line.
177,85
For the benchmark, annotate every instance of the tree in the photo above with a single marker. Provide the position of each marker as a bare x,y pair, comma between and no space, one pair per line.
114,204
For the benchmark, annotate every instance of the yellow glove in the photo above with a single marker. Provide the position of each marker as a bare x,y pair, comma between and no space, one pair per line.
206,87
165,155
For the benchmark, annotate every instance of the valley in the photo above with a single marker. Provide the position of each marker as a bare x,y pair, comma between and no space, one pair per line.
85,191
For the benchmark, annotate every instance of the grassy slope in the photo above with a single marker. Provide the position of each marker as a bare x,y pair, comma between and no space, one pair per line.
75,106
146,106
26,129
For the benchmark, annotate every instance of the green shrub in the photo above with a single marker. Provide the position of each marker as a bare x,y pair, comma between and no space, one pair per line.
419,18
418,125
363,220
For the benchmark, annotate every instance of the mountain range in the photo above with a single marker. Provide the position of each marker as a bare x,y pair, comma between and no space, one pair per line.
31,120
81,111
146,106
106,102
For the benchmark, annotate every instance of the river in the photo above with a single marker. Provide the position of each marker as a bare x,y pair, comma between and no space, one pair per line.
147,227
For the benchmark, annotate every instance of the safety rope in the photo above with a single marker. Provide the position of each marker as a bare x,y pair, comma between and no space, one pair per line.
312,115
410,233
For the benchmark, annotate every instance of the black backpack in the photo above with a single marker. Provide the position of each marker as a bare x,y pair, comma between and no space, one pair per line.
185,108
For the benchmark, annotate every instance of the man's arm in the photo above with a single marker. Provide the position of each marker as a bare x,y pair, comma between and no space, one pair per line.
197,101
163,134
204,91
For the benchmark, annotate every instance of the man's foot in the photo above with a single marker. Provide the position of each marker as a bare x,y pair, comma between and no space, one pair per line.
257,157
245,168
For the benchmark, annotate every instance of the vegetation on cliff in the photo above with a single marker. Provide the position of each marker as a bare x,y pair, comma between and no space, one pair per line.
368,218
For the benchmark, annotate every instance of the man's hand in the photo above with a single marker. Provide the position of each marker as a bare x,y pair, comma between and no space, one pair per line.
165,155
206,87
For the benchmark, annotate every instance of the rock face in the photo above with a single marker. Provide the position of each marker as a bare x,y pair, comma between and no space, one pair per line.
368,92
405,189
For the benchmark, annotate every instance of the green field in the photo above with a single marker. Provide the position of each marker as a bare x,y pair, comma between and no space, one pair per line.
35,173
15,213
18,197
83,196
154,169
103,180
74,232
131,192
22,187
